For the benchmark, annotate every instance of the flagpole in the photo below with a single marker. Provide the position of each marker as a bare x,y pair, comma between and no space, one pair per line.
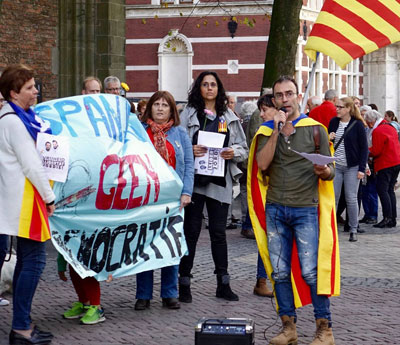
310,81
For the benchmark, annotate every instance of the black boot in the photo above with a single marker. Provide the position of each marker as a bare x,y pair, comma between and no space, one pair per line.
353,237
392,223
384,223
224,290
185,295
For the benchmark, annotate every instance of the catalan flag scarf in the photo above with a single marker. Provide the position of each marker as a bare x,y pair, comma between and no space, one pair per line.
328,275
33,220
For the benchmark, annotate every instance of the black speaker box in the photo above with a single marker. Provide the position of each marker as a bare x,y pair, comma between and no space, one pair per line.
224,331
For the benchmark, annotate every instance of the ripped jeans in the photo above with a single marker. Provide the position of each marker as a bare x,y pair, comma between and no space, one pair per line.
284,224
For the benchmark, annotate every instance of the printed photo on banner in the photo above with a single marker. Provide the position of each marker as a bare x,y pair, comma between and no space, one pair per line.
54,152
211,164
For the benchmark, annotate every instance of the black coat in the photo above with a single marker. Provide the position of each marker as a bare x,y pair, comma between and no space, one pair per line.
355,143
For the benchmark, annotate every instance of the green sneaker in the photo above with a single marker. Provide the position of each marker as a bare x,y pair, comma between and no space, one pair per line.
93,315
77,310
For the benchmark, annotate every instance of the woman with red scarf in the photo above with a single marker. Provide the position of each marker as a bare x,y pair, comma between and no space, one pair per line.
161,121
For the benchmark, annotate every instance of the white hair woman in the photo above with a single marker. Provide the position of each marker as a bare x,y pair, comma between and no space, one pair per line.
386,152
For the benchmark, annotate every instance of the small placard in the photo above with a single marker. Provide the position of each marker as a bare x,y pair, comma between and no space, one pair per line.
54,153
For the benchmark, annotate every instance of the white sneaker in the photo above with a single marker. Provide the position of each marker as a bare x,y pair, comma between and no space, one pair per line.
4,302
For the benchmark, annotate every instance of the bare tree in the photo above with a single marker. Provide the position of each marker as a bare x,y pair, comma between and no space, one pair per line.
282,43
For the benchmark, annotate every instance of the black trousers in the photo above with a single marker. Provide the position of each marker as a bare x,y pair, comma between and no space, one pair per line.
386,179
217,215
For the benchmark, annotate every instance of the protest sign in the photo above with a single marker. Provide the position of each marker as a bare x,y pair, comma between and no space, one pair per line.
118,211
211,163
54,152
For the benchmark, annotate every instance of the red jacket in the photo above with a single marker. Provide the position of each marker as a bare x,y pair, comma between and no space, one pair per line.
324,113
385,146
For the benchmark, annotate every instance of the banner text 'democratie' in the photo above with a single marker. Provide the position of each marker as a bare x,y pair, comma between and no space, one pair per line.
118,211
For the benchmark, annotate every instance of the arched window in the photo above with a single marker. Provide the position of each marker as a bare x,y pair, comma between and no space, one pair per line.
175,55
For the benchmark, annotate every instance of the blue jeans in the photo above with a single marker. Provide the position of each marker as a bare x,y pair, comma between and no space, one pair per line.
31,259
169,283
246,222
370,198
348,177
260,268
285,224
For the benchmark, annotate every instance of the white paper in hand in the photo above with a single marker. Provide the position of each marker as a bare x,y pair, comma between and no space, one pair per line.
211,163
316,158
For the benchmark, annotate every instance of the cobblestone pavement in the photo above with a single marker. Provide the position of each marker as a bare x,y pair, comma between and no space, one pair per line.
367,312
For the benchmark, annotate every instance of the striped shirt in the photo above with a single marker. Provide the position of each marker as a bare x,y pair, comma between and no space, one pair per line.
340,152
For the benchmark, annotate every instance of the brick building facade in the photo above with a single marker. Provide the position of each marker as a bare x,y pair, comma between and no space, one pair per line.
64,41
155,44
200,31
28,34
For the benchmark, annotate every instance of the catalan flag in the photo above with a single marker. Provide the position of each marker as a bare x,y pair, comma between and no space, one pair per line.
348,29
328,270
33,220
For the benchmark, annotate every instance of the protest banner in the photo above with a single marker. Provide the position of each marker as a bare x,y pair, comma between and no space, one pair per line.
118,211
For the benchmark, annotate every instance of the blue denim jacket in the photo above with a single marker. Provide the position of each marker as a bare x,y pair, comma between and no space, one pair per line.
179,139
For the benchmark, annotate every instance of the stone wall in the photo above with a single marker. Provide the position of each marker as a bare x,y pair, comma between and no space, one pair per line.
28,34
64,41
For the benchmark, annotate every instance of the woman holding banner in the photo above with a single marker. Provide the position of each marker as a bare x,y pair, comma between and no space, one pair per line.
207,111
161,121
26,198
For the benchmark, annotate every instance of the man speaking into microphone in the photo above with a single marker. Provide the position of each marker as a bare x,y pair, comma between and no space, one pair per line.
296,227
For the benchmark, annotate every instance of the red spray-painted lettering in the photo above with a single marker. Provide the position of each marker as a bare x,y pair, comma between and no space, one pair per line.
113,199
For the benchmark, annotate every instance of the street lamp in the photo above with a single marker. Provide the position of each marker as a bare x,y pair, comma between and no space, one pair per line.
232,26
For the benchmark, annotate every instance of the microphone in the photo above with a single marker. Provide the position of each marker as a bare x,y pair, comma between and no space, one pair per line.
280,123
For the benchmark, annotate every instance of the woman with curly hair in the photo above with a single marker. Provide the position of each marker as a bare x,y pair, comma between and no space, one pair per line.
207,111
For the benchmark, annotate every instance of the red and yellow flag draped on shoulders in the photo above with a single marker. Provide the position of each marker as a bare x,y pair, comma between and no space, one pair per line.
328,279
33,220
348,29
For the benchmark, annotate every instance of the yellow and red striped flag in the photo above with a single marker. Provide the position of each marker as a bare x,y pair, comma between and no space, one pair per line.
348,29
33,220
328,275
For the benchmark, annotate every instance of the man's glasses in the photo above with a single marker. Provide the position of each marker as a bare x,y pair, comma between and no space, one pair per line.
207,85
114,89
287,94
339,106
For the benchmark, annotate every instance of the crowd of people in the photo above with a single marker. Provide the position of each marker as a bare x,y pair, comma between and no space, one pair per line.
286,208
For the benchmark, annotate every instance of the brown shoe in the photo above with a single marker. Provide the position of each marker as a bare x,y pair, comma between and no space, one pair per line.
248,233
261,288
323,335
288,334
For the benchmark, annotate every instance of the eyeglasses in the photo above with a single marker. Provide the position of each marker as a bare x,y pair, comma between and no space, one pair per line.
287,94
339,106
207,85
114,89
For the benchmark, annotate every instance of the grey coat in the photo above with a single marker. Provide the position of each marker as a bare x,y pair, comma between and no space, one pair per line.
237,141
